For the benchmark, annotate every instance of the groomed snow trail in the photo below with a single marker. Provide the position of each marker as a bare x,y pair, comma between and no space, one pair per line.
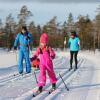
84,84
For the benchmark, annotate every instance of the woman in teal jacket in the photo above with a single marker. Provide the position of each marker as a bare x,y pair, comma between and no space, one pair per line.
22,41
74,45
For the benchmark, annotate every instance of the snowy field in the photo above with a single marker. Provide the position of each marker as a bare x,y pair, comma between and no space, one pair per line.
84,84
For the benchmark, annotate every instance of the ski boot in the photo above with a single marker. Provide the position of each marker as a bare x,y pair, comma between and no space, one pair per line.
53,88
75,68
70,68
38,91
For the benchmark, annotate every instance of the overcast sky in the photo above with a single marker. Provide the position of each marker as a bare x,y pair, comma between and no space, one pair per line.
43,11
52,1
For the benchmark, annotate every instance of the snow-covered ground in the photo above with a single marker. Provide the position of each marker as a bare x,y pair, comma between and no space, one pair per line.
84,84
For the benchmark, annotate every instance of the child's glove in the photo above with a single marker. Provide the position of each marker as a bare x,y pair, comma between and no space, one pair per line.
33,58
41,51
52,53
52,57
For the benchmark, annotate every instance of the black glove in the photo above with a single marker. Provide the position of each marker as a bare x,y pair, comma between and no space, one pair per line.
15,48
27,38
33,58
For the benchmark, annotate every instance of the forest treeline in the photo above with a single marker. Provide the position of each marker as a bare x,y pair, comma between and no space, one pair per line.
88,30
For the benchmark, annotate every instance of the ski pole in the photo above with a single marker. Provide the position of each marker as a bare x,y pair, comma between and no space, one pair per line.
16,54
35,76
64,83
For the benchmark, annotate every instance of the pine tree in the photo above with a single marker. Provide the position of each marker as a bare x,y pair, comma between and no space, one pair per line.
10,29
1,26
24,15
97,26
52,26
70,23
85,26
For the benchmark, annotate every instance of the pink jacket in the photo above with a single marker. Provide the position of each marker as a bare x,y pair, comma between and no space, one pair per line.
45,56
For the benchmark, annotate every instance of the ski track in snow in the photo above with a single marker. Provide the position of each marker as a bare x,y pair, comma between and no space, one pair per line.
84,84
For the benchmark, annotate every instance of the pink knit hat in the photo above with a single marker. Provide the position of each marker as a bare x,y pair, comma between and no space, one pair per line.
44,38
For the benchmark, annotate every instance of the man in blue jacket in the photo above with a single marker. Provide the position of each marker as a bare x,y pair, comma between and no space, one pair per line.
74,45
23,41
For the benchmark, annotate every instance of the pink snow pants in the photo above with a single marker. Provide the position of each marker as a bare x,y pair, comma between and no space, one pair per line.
46,65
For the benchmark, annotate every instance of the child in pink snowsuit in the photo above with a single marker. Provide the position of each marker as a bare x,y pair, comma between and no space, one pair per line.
46,54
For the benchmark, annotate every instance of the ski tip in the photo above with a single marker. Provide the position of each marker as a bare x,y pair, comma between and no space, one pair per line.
49,92
33,95
67,89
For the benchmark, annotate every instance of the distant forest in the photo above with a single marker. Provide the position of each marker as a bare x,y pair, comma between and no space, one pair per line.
88,30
